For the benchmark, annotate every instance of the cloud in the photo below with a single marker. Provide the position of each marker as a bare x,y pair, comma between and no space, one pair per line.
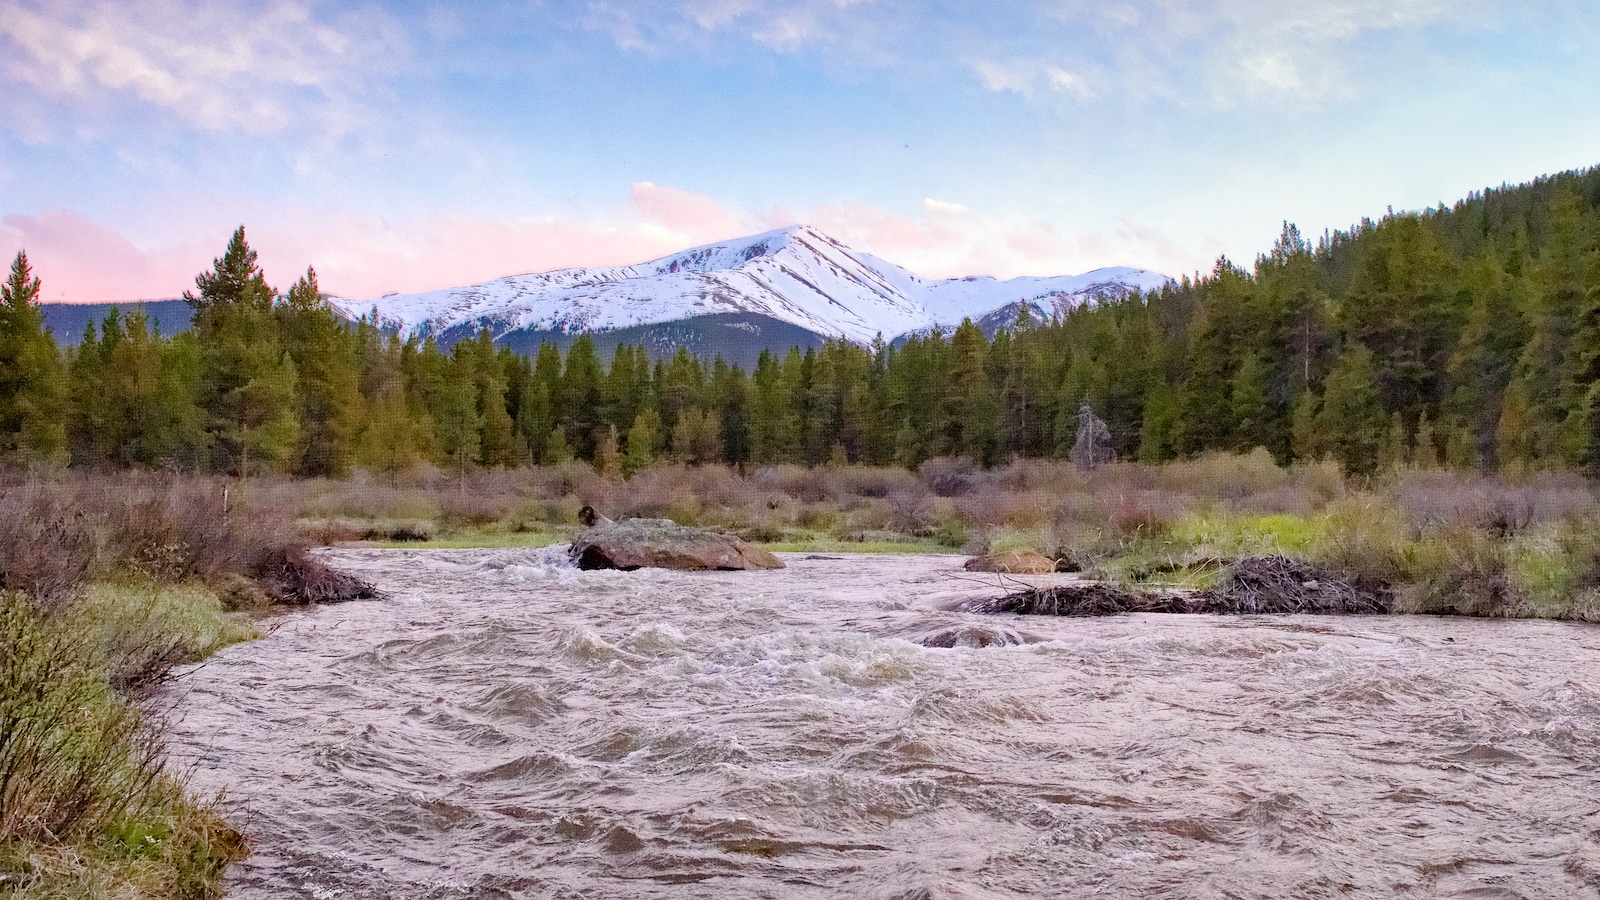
79,260
216,66
363,256
1196,52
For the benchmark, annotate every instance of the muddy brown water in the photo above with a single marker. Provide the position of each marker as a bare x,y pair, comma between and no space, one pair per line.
508,727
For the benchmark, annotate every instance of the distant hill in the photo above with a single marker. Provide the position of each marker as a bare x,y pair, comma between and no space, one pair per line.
67,320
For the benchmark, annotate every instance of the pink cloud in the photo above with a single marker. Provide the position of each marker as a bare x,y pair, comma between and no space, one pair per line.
361,256
78,260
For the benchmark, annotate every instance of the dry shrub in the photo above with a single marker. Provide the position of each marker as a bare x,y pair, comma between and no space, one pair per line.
950,476
1438,499
1141,513
875,484
363,498
47,548
1366,538
805,485
472,506
57,535
1288,500
910,512
1224,476
992,505
650,494
1048,476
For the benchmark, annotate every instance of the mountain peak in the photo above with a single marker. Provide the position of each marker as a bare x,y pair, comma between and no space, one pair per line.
797,274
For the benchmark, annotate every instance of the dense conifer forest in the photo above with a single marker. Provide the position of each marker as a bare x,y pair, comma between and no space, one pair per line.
1466,337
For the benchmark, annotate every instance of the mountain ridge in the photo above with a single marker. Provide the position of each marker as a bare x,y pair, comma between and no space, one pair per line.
796,275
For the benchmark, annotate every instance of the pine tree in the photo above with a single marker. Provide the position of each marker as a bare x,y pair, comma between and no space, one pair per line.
607,457
457,422
248,382
394,434
1352,419
580,406
322,349
88,403
31,379
644,441
556,448
1251,403
1425,448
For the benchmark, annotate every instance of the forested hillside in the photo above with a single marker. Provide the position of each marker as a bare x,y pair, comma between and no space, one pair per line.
1466,336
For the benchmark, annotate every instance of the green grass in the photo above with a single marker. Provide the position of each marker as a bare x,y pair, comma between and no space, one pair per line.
87,810
136,628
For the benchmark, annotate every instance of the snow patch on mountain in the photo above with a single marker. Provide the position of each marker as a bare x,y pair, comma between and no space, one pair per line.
797,275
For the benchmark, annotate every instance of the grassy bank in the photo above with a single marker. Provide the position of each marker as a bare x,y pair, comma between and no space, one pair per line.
1444,541
106,584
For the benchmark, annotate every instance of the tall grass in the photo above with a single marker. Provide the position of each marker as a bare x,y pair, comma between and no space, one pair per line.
87,806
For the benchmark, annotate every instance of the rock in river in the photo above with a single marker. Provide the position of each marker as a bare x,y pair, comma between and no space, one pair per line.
664,544
1013,562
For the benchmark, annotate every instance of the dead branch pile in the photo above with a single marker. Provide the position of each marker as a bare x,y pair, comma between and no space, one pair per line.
1088,599
294,577
1255,586
1277,584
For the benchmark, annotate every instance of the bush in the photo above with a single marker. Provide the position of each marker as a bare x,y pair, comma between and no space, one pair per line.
86,805
57,536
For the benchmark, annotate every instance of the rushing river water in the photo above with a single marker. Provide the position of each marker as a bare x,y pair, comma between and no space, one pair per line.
508,727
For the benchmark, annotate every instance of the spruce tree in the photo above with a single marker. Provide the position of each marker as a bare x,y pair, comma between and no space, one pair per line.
607,456
31,379
330,405
248,386
644,441
1352,420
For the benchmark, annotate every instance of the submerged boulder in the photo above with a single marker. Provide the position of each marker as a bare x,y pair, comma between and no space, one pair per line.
664,544
1013,562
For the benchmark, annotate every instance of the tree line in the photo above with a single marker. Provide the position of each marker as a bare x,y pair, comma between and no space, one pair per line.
1466,336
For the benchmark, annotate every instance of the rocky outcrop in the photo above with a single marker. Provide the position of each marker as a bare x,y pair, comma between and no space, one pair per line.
664,544
1013,562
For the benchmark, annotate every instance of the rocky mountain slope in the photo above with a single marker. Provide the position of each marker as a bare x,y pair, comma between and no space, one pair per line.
790,282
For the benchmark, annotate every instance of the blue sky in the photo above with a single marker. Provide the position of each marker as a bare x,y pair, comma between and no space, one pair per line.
408,146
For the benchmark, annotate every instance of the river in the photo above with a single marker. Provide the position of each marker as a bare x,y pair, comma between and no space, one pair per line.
505,726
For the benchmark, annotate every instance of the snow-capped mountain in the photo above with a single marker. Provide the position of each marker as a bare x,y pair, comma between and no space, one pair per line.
795,275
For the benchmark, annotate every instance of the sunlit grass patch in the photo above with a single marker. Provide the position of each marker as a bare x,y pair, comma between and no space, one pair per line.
137,629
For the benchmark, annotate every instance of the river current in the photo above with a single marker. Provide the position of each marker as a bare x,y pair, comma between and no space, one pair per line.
505,726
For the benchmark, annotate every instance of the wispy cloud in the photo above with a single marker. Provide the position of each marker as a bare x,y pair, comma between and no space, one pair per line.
1212,52
257,68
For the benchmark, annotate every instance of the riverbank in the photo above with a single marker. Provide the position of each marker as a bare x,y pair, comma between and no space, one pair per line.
107,584
507,725
1443,541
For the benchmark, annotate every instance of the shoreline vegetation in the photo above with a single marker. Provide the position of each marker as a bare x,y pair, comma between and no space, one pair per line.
1432,540
107,583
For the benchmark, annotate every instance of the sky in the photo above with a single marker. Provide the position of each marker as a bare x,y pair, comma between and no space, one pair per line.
406,146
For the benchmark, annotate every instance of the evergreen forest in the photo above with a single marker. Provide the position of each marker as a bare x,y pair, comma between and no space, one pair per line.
1465,336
